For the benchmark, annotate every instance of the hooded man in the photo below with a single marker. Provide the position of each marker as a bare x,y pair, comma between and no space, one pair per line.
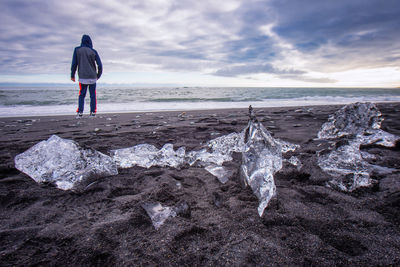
85,59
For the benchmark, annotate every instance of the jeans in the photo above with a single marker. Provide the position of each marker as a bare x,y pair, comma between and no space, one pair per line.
82,94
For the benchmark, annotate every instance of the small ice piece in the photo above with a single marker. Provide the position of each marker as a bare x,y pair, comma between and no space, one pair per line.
261,159
146,156
286,146
158,213
295,161
63,162
220,172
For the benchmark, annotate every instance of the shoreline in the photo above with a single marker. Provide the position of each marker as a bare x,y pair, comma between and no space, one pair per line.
144,107
254,104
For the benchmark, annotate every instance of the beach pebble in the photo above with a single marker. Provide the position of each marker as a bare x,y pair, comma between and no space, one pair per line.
183,209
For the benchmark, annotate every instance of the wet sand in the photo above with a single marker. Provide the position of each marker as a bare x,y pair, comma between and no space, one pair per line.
307,224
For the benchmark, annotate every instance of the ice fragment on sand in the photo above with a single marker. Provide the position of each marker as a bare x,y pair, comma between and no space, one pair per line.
352,119
158,213
218,150
346,163
145,155
63,162
379,137
220,172
261,159
352,126
295,161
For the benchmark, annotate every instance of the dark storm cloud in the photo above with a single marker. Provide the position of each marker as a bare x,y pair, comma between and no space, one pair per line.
354,29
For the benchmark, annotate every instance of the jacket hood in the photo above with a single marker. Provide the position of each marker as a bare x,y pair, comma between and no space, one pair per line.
86,41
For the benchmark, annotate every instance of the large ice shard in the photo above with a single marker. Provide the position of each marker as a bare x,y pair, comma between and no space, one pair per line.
63,162
261,159
146,156
350,127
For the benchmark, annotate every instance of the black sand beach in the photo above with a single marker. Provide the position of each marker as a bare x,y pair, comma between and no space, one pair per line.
307,224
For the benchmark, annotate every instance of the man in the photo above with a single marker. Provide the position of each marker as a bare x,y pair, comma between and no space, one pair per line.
85,59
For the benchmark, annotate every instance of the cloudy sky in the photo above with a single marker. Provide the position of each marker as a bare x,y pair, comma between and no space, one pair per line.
325,43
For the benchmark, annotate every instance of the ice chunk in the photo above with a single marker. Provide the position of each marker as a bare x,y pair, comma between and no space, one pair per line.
63,162
220,172
261,159
145,155
353,125
142,155
227,144
346,163
204,158
286,146
218,150
352,119
379,137
295,161
158,213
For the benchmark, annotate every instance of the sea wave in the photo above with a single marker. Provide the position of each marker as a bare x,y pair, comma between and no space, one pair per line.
151,106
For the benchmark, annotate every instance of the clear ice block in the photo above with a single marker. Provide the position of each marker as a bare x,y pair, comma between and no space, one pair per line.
220,172
63,162
354,125
352,119
261,159
146,156
158,213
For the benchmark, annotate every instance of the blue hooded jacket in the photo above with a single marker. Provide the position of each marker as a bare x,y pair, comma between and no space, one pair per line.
85,59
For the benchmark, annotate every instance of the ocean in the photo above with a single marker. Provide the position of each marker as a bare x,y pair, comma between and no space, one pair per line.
38,100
